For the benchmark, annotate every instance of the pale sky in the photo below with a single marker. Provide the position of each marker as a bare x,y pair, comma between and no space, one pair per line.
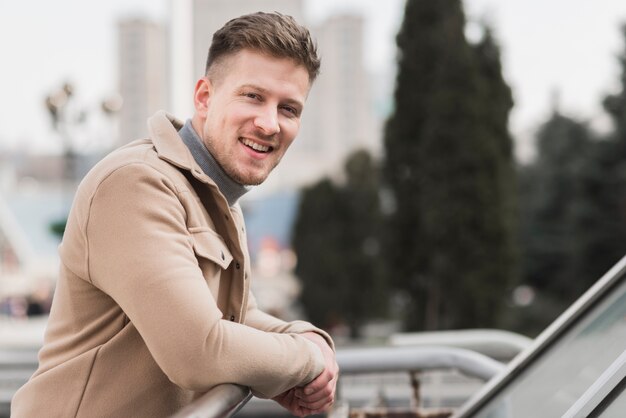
569,46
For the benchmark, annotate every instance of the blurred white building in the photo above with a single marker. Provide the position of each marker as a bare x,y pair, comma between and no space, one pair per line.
143,75
340,115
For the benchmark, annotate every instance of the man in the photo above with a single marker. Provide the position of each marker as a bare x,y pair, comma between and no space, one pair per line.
152,307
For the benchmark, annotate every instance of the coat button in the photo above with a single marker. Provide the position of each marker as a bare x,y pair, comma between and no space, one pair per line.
232,317
237,265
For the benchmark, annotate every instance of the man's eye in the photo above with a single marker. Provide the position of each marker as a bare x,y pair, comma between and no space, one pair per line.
252,96
290,110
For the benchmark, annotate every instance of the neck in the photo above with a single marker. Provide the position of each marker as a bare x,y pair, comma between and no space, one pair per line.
231,189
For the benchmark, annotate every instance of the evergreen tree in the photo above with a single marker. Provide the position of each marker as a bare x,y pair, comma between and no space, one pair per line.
500,216
449,170
573,225
612,155
317,229
561,218
337,240
563,150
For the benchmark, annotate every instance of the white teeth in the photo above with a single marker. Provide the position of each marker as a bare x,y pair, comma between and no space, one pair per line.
255,146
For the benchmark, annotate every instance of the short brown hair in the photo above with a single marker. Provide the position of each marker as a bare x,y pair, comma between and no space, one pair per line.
274,34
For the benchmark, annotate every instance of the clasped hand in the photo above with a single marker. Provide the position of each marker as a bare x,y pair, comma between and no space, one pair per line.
318,395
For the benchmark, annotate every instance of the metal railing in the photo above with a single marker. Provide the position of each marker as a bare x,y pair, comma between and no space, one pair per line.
416,363
392,359
498,344
225,400
16,367
220,402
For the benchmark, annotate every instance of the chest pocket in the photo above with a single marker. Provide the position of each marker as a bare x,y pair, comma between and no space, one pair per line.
213,256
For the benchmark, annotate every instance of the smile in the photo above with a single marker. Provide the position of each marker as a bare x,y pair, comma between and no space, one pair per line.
257,147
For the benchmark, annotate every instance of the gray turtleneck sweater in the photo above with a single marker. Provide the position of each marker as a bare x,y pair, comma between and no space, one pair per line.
231,190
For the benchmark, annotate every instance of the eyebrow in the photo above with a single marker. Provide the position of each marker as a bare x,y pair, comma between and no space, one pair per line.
292,102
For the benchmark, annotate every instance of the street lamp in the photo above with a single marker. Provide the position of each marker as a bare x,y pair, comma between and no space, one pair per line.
66,117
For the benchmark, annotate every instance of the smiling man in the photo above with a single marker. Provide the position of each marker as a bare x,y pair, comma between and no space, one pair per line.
153,304
252,102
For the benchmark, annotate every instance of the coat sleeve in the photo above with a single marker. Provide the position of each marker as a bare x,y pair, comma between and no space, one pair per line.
258,319
140,253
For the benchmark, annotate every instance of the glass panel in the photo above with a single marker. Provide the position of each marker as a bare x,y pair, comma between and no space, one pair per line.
558,377
616,406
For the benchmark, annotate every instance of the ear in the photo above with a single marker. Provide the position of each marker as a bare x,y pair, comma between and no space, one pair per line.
201,96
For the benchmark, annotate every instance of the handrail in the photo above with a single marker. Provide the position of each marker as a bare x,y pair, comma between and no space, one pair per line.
499,344
390,359
222,401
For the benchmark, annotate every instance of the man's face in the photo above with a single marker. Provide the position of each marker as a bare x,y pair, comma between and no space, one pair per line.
249,114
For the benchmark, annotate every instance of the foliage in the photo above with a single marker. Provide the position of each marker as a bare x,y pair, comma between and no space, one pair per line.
573,226
449,170
336,238
58,227
556,216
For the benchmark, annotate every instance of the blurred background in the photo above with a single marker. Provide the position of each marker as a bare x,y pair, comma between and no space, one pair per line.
460,164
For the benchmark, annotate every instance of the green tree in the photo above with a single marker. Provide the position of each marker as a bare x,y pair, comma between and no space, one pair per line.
449,171
561,222
336,238
573,224
612,157
555,184
500,216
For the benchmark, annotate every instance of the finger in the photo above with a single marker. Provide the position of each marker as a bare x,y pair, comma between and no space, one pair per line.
298,411
318,399
289,397
317,405
290,402
323,393
324,408
323,385
317,384
301,411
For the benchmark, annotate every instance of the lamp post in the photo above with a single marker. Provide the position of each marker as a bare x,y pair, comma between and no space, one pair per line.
66,117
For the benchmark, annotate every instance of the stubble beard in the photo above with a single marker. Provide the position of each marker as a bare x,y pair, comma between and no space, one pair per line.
228,162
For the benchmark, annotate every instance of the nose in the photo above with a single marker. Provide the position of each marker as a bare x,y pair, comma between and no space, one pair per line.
267,121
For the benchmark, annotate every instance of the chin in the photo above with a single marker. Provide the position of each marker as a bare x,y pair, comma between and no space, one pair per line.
250,177
250,180
253,181
254,177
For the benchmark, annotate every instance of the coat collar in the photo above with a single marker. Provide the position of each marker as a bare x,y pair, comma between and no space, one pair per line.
163,129
169,146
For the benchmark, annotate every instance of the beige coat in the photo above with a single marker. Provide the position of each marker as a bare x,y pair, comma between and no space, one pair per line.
153,307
